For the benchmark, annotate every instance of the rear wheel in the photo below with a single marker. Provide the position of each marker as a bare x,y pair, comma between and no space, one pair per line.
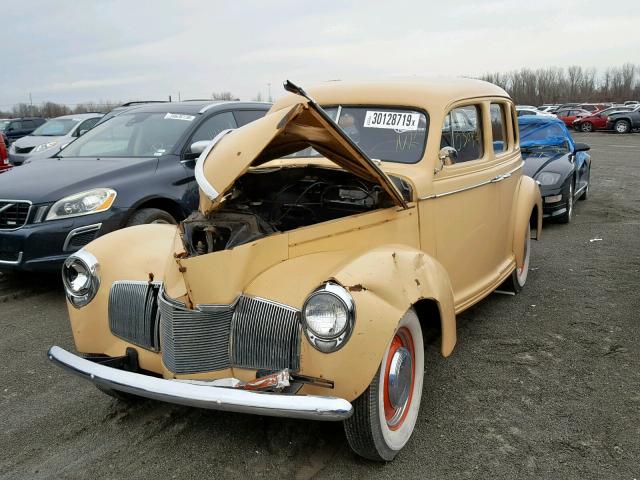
622,126
151,215
385,415
515,283
587,127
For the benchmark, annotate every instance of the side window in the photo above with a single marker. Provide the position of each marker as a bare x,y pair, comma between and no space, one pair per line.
86,125
498,127
247,116
16,125
462,130
28,124
212,126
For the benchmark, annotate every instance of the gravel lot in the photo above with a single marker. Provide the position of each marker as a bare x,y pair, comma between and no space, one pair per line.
542,385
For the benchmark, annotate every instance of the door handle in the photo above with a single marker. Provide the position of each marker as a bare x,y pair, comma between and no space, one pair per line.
499,178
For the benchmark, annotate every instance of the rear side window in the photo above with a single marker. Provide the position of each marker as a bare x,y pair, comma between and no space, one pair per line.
212,126
498,127
247,116
16,125
28,124
462,130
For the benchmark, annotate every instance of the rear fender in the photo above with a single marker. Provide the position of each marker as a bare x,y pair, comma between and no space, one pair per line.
527,201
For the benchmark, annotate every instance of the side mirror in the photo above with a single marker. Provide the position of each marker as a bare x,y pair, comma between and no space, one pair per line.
9,129
447,156
581,147
199,147
83,131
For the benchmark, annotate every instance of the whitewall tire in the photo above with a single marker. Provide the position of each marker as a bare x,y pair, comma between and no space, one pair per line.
386,413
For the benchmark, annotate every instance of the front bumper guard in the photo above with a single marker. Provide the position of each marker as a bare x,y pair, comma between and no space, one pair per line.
203,396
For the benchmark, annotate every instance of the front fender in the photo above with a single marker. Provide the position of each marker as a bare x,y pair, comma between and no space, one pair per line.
527,201
142,253
384,282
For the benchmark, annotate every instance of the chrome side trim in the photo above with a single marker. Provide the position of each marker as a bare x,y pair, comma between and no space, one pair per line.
579,191
12,262
203,396
497,178
78,231
203,183
214,103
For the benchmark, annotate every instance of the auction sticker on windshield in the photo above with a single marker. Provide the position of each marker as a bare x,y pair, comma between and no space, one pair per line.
178,116
391,120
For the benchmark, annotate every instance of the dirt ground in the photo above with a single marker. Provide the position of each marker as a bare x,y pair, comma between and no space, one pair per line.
543,385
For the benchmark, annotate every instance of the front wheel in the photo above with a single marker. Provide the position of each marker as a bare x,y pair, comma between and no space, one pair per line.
567,216
385,415
150,215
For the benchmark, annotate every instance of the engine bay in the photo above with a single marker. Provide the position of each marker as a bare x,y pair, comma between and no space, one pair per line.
266,201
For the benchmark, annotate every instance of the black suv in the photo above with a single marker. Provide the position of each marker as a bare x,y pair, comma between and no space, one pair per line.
135,168
21,127
624,122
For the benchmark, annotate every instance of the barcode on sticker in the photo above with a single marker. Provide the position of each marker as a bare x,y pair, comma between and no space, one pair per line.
391,120
179,116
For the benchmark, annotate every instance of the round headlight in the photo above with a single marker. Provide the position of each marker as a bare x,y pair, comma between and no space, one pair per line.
81,278
328,315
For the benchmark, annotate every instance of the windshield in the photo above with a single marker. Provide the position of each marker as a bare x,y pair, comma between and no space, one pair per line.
3,124
537,136
136,134
389,134
56,127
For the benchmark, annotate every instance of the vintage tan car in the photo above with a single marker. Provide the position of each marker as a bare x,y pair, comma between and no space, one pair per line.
327,238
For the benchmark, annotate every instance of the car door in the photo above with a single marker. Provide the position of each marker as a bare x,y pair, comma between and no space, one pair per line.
469,204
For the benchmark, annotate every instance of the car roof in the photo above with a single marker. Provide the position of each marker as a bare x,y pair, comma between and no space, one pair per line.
81,116
539,120
195,107
415,91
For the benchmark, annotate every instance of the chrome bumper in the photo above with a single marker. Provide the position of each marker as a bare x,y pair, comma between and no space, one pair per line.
203,396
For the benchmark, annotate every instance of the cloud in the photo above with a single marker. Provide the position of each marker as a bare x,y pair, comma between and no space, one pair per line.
123,50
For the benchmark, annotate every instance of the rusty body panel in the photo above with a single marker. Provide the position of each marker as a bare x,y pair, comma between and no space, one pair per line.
456,240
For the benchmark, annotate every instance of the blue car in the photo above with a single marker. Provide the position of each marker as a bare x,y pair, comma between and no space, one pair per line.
561,166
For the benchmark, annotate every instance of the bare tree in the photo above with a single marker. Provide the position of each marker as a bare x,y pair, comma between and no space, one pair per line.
222,96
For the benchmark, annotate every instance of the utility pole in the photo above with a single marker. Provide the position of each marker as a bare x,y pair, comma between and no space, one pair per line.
30,104
269,87
179,99
169,97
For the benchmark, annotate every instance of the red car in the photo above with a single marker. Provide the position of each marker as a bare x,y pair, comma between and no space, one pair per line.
568,115
597,121
4,157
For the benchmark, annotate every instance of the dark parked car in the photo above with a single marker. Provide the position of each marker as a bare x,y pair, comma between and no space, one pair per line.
624,122
561,166
19,127
136,168
597,121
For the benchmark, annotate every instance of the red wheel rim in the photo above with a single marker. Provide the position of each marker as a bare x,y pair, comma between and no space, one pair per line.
395,416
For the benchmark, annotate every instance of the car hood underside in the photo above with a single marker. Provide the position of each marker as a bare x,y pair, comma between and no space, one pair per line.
278,134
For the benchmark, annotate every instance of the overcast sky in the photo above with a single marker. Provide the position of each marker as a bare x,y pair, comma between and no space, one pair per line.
76,51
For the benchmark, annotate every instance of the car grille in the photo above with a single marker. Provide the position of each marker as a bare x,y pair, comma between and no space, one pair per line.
133,312
265,335
23,149
251,333
13,214
194,341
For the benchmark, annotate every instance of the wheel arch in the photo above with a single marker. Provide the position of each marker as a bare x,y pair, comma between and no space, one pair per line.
169,205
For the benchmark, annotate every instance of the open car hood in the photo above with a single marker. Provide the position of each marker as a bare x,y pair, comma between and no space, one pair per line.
276,135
